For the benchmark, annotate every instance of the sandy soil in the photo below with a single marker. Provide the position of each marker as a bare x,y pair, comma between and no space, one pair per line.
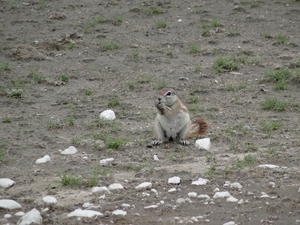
63,62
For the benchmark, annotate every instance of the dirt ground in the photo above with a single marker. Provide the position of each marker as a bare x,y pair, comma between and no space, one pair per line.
64,62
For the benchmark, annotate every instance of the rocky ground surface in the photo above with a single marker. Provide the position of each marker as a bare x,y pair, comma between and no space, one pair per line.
235,63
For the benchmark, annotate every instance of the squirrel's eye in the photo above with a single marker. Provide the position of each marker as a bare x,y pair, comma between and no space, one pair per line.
168,93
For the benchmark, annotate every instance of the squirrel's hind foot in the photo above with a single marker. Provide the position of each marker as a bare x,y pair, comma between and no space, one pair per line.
184,142
156,142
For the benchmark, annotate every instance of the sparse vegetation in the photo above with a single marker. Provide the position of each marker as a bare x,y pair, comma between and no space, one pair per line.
153,10
160,24
63,77
247,161
71,180
223,63
108,46
5,67
193,49
36,76
268,126
6,119
235,87
270,103
114,102
281,39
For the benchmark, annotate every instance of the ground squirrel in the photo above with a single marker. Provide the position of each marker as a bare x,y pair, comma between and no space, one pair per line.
173,120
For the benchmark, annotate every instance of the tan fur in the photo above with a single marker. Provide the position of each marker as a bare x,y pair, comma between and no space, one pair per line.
173,119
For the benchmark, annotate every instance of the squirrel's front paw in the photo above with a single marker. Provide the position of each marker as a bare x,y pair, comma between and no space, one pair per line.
184,142
156,142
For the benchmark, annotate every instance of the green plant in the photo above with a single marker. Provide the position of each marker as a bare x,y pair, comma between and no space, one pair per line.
161,84
278,75
247,161
193,48
70,121
197,69
15,93
297,76
17,83
205,32
270,125
132,84
114,102
215,22
114,142
136,167
135,53
52,124
2,154
63,77
275,104
88,91
5,66
6,119
281,39
160,24
71,180
235,87
117,19
70,45
75,140
222,64
226,170
193,99
250,147
37,77
211,171
42,3
153,10
108,46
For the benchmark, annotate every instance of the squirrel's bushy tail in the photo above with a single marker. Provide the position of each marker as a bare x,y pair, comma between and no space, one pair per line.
199,127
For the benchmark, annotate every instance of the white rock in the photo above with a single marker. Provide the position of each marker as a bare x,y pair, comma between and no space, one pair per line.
6,182
144,186
155,158
272,184
119,212
230,223
270,166
154,191
9,204
115,186
49,200
88,205
203,143
107,115
45,159
101,190
125,205
102,197
232,199
236,185
192,194
7,216
172,190
85,213
180,201
227,184
200,181
203,196
31,217
241,202
174,180
216,190
20,213
69,151
104,162
222,194
179,20
151,207
45,210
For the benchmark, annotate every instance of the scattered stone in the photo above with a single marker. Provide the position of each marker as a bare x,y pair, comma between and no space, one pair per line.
216,190
180,201
44,159
232,199
203,196
85,213
49,200
100,190
236,185
69,151
174,180
104,162
144,186
155,158
19,213
6,182
115,187
241,202
7,216
125,205
203,143
151,207
222,194
172,190
272,184
230,223
119,212
108,115
270,166
192,194
200,181
31,217
9,204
